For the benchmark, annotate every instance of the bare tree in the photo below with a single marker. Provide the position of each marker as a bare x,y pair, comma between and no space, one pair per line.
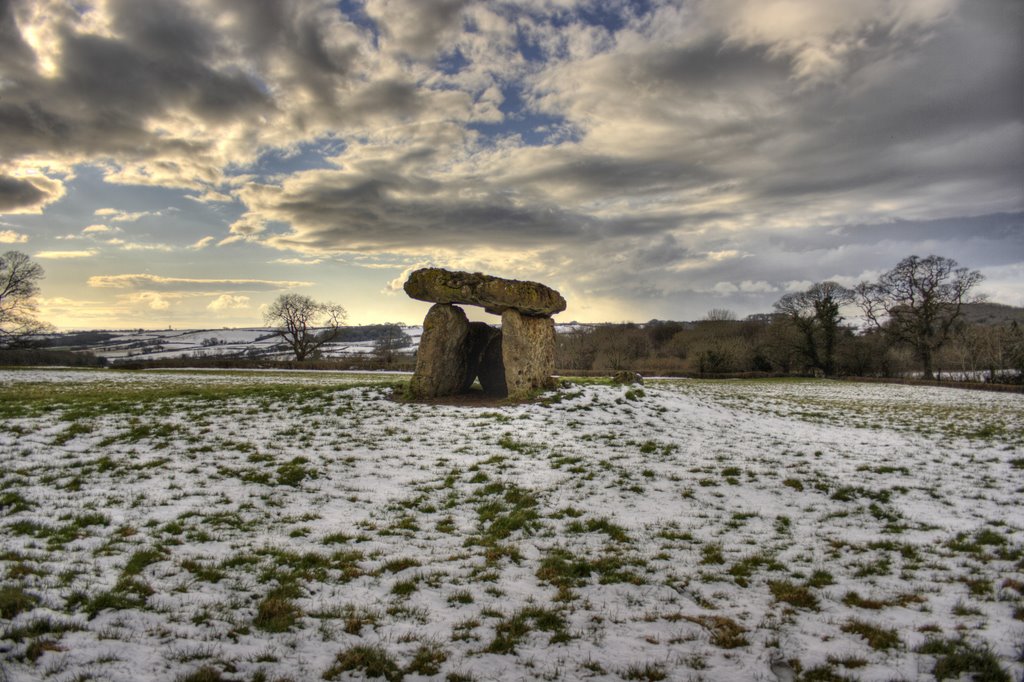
19,285
305,325
392,339
720,315
919,303
815,314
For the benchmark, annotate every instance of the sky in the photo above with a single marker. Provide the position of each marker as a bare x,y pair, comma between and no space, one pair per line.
181,163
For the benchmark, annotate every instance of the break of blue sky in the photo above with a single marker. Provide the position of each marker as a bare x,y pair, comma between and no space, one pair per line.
183,162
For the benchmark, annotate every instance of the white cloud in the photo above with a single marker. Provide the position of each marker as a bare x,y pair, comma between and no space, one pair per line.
202,243
100,229
147,281
62,255
759,287
298,261
12,237
152,299
228,302
119,216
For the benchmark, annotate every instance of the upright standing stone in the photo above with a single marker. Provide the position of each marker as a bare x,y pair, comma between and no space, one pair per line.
441,361
528,352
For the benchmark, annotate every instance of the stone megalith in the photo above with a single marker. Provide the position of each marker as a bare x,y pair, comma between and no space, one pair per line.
527,351
512,361
493,294
441,361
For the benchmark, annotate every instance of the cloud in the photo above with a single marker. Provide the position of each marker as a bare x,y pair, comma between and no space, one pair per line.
12,237
184,284
64,255
151,299
119,216
100,229
27,194
228,302
298,261
646,152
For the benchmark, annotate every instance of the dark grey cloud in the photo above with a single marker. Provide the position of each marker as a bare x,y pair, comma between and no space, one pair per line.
18,193
21,195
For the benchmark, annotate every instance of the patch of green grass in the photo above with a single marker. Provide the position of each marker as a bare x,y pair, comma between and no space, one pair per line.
725,632
799,596
15,600
12,502
564,569
207,673
372,661
277,612
956,656
651,672
711,554
128,593
294,472
403,588
460,597
878,637
400,564
142,558
427,659
38,627
203,571
512,630
600,525
745,567
77,428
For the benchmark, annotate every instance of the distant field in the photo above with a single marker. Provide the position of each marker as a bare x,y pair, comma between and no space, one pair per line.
298,526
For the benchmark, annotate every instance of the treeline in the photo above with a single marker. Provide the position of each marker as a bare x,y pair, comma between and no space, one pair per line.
771,344
404,363
915,324
23,357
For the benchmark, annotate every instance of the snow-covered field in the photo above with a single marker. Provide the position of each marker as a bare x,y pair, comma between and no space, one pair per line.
301,526
261,341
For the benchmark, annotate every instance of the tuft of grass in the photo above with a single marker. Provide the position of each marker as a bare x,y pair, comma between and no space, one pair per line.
955,656
276,613
600,525
711,554
38,627
128,593
400,564
295,472
878,638
12,502
745,567
373,661
142,558
820,578
205,674
14,600
725,632
799,596
651,672
512,630
427,659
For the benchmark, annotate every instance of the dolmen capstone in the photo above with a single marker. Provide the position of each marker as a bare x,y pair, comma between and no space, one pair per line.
509,362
